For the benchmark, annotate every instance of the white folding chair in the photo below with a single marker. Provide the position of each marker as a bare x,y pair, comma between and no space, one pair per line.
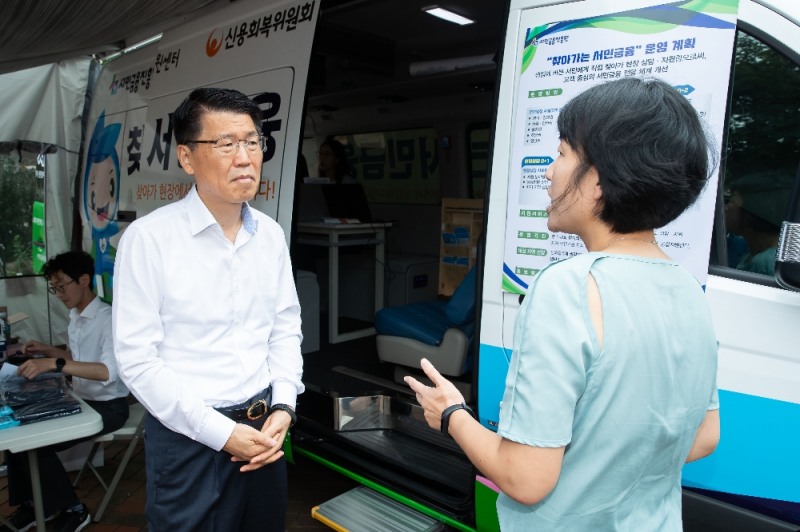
132,431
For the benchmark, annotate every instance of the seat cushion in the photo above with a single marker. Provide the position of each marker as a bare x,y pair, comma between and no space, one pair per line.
425,322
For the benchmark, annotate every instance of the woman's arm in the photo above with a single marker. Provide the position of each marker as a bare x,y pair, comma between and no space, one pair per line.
706,438
525,473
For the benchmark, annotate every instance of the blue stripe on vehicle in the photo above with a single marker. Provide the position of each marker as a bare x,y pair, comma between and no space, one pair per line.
758,450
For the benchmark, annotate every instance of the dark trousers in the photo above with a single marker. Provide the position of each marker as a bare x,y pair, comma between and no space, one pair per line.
193,488
57,491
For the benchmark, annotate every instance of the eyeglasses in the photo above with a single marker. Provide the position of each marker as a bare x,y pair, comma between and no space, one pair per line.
60,288
229,145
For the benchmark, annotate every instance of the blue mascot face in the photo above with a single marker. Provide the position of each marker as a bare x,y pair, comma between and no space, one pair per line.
101,180
102,193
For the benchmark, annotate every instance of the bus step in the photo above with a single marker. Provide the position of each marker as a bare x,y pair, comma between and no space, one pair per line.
364,510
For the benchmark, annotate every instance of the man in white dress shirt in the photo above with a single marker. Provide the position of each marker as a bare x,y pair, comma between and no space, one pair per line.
207,331
91,363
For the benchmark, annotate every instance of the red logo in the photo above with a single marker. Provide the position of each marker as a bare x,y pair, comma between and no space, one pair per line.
214,43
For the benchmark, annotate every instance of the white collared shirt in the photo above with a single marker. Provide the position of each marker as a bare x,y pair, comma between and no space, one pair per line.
90,340
200,322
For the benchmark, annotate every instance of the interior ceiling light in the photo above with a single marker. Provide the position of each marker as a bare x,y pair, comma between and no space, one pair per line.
449,16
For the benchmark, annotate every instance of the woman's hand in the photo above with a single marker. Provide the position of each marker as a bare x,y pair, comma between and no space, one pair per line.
434,400
525,473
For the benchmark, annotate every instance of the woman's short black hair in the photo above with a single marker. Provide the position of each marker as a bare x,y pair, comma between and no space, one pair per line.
73,264
187,118
648,145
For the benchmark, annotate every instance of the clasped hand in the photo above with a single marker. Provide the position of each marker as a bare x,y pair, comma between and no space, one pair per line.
258,448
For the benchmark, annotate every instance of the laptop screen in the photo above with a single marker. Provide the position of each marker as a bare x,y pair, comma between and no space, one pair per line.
347,201
311,205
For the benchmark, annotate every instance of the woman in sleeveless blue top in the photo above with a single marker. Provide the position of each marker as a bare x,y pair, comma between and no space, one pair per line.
612,382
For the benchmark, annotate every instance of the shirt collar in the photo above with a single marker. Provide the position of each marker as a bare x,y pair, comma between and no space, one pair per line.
90,311
249,221
200,218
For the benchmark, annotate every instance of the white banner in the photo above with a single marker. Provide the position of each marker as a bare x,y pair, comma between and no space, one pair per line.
130,165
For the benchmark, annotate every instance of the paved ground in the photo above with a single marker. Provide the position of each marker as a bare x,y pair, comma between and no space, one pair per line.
309,485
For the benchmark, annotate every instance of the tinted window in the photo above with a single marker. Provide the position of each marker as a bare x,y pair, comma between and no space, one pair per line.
478,142
763,153
400,166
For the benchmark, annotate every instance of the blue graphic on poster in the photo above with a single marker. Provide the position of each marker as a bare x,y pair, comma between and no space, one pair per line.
101,200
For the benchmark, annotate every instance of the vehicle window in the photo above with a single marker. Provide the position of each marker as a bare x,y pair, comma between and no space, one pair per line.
762,154
22,245
400,166
478,142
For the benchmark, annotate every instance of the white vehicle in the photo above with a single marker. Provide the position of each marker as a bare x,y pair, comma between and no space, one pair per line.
756,465
430,117
750,482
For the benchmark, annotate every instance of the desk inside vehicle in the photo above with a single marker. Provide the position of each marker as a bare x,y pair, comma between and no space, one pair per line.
334,236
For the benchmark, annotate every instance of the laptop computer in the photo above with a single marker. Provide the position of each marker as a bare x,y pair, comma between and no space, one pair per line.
311,205
347,201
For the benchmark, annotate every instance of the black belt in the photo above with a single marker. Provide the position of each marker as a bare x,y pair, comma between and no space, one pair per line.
252,409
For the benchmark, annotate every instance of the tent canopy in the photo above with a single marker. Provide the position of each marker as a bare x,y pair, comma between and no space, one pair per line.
40,32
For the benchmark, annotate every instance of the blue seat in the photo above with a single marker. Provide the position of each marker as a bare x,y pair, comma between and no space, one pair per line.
438,330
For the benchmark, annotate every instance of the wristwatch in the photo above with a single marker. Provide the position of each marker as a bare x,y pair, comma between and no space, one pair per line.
60,362
286,408
447,412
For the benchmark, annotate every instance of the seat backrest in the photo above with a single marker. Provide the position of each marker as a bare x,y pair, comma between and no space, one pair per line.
460,310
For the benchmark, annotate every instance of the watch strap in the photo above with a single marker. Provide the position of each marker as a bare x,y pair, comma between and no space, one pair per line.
286,408
60,363
447,412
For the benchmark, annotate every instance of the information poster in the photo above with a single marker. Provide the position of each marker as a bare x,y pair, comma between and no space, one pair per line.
687,44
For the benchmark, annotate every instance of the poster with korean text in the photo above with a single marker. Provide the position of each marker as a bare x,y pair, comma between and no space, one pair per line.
688,44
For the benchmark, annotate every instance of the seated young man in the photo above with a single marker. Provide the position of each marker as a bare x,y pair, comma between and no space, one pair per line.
90,362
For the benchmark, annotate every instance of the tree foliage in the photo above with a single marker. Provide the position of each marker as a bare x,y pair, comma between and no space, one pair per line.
18,190
763,131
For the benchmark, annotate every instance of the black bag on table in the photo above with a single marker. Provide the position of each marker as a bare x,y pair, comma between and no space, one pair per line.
48,409
40,399
38,390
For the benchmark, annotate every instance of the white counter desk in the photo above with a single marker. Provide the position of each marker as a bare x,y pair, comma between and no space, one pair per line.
333,236
42,433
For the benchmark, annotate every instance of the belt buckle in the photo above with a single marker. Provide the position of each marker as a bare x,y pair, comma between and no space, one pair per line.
260,403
